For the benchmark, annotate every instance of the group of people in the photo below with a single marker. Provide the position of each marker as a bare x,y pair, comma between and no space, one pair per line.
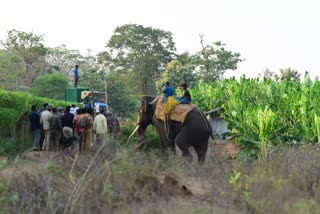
53,128
170,101
185,99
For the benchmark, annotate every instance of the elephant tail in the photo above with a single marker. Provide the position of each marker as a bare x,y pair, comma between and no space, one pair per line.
211,135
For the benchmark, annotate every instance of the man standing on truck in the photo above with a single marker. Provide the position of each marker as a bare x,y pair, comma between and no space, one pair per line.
76,75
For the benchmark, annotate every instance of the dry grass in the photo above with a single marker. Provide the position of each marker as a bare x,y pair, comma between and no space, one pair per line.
113,179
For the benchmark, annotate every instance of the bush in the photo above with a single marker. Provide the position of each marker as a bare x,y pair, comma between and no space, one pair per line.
50,85
14,124
8,117
10,147
151,136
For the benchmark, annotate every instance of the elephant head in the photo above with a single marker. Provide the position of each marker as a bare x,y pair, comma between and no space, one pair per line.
145,118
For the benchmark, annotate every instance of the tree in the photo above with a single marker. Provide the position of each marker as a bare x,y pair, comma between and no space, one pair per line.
269,74
93,79
286,74
62,60
119,95
212,61
289,74
29,47
139,53
50,85
179,71
10,70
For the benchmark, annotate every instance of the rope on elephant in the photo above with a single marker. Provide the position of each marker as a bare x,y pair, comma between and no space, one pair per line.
166,126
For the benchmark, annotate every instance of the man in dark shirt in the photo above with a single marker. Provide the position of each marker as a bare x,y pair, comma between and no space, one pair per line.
186,98
67,118
34,119
56,131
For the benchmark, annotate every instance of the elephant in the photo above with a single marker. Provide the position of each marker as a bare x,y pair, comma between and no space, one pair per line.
195,131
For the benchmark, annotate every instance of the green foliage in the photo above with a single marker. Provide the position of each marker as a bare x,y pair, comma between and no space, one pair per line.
140,53
209,96
177,74
10,147
151,136
29,47
8,117
62,59
120,99
11,70
264,114
213,60
120,96
286,74
14,108
50,85
92,79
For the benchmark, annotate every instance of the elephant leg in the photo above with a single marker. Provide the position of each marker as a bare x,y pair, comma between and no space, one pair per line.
201,151
185,152
164,143
182,142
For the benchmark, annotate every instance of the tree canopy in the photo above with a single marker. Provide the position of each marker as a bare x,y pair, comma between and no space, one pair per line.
50,85
140,58
213,60
284,74
29,47
179,71
140,53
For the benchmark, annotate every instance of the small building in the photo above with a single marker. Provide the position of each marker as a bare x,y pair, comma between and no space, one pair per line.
219,126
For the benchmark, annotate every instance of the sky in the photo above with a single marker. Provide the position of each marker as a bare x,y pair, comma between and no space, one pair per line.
269,34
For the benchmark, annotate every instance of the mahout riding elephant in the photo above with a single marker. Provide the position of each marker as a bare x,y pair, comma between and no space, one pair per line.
193,132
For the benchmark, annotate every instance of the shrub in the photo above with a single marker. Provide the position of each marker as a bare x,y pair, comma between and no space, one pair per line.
50,85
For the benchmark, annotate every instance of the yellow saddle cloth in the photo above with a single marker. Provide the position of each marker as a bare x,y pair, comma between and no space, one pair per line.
178,112
169,105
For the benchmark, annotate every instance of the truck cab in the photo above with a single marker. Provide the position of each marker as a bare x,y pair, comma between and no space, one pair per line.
94,99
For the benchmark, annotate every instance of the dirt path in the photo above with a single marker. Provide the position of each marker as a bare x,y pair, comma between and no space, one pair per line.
28,163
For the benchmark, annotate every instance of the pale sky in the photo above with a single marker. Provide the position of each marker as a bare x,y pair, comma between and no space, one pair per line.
267,33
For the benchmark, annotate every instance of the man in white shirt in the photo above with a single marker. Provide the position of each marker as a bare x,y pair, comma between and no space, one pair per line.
100,127
73,109
45,120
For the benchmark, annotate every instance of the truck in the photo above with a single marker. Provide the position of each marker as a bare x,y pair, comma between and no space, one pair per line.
94,99
88,98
